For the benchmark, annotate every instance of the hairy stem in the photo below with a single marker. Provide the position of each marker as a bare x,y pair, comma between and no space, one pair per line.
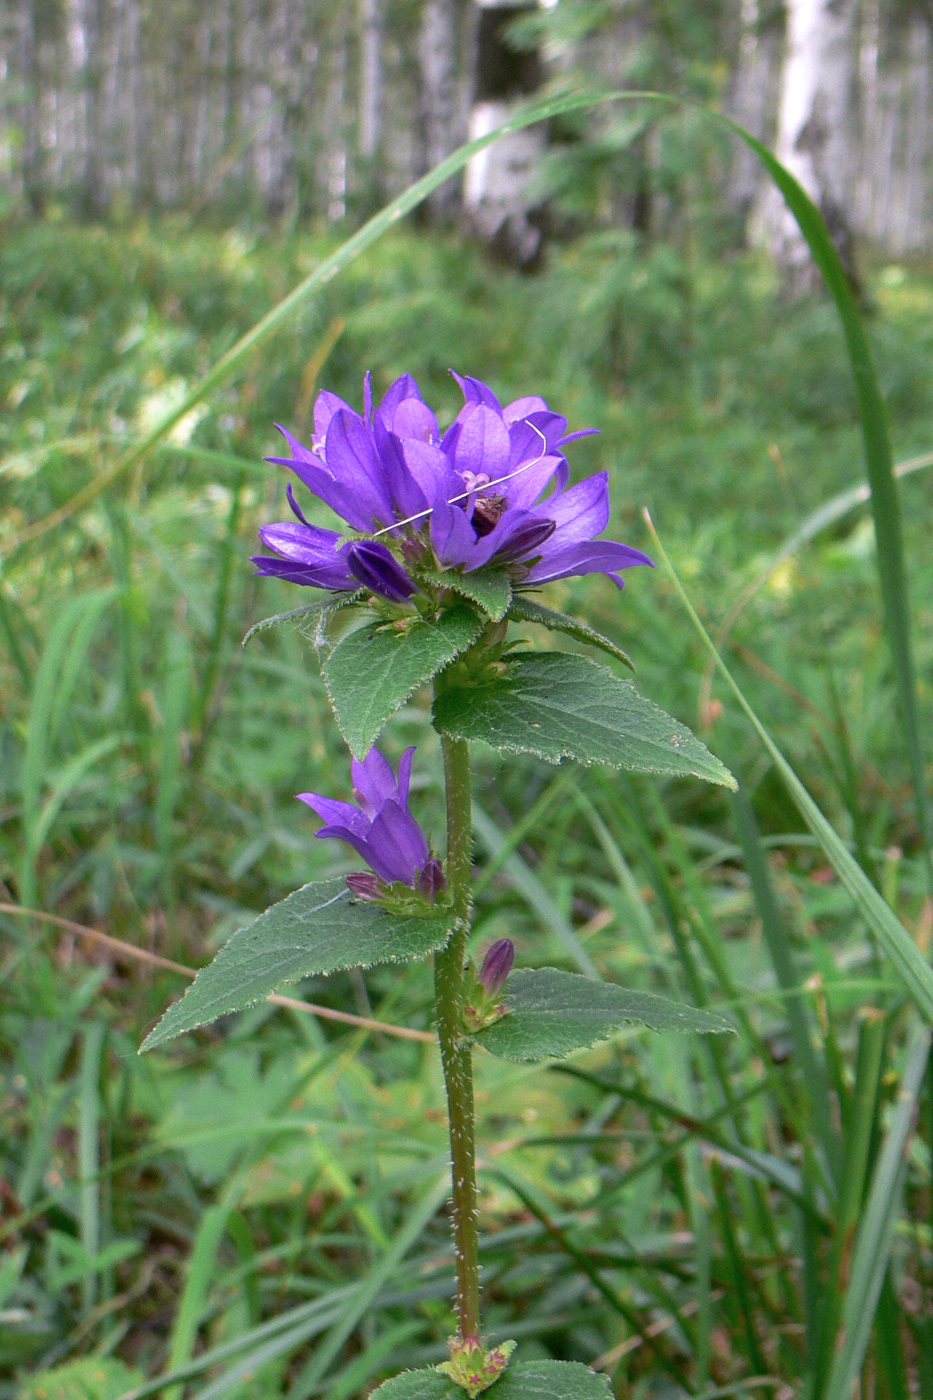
456,1052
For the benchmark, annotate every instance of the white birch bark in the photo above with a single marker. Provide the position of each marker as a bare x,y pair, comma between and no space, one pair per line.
370,78
817,127
441,106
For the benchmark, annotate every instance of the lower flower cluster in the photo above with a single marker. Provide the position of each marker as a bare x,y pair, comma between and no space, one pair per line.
381,828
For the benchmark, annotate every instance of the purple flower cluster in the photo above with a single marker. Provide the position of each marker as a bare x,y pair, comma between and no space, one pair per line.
380,828
472,496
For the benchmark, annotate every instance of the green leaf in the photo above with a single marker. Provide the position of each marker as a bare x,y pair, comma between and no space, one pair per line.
557,705
372,672
528,1380
318,929
525,609
490,588
320,610
552,1013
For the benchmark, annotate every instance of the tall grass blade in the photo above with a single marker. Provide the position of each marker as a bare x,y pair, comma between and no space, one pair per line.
418,1218
89,1151
202,1264
174,740
62,659
527,883
912,968
813,1075
885,504
876,1230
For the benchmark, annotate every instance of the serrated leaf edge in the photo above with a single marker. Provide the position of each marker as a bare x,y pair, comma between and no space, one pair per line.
448,578
408,694
556,621
631,1020
728,781
285,982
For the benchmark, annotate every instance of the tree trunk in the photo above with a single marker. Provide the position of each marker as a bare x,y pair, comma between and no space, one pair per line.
816,135
495,190
442,116
370,98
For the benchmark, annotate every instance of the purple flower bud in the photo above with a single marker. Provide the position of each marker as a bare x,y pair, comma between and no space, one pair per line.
497,964
431,881
379,571
364,885
527,538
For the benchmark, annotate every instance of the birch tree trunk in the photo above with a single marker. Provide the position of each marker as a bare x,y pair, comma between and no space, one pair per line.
442,107
816,134
370,96
497,180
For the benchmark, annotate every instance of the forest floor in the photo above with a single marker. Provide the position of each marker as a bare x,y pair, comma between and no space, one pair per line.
169,1212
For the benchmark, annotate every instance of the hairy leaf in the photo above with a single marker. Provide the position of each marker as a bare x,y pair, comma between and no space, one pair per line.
525,609
372,672
556,705
528,1380
552,1013
490,588
318,929
293,615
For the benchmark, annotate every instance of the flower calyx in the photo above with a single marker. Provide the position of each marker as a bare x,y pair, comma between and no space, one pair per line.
481,1004
474,1366
399,898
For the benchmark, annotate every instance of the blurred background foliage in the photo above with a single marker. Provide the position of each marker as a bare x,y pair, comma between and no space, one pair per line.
257,1211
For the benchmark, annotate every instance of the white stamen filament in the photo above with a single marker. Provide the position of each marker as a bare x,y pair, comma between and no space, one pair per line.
465,495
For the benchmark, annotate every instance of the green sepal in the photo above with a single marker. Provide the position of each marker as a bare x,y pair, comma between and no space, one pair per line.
528,1380
320,928
525,609
549,1014
489,588
372,671
558,705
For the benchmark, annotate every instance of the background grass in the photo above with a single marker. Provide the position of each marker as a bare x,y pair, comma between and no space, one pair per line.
257,1210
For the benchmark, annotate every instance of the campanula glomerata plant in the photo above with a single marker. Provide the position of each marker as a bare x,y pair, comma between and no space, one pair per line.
450,537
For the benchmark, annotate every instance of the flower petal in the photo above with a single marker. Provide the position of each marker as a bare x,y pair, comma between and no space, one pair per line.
483,442
351,459
580,512
404,774
452,535
303,544
405,387
337,814
374,780
398,848
592,557
336,577
475,391
325,406
521,408
407,496
529,478
431,469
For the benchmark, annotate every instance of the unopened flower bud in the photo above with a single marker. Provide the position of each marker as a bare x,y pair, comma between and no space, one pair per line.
364,885
378,571
497,964
431,881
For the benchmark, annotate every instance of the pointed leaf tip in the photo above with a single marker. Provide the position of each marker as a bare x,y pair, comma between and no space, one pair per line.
558,705
318,929
550,1014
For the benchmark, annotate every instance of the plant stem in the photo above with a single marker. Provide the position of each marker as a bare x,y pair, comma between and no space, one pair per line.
456,1051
